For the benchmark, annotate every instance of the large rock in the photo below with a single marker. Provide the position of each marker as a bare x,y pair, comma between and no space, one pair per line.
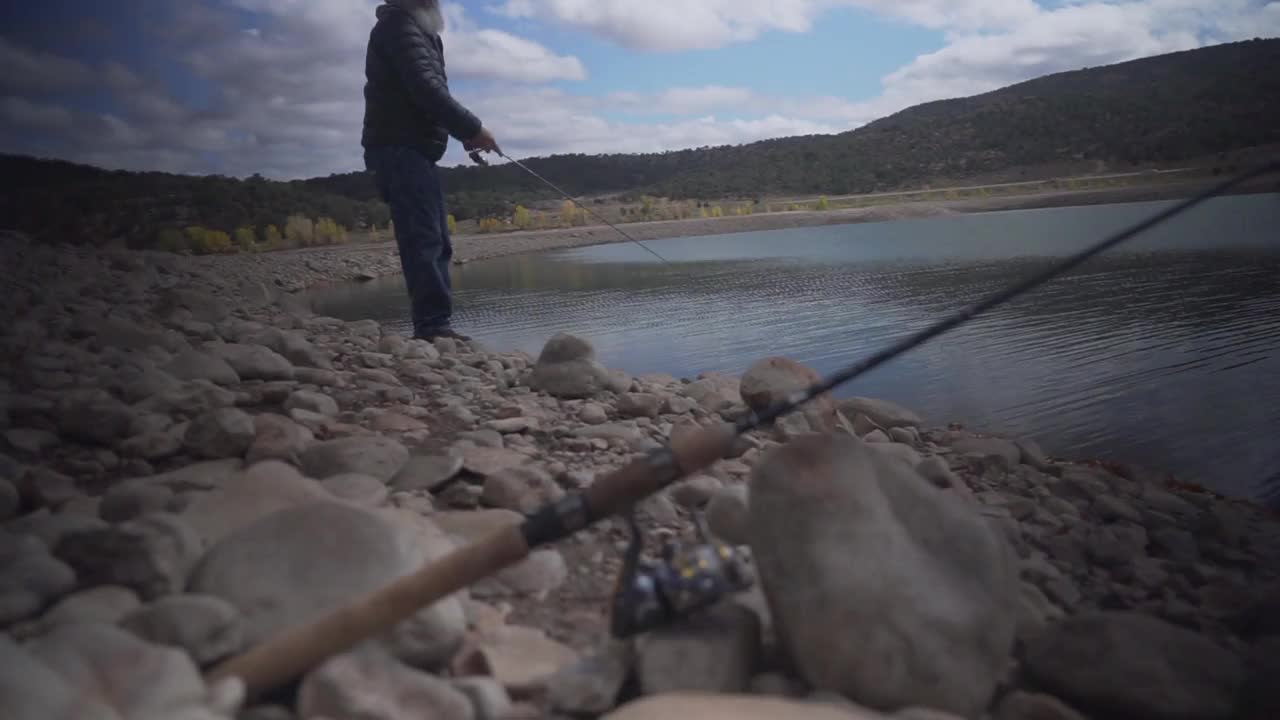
151,554
1125,664
373,455
208,628
196,365
714,651
29,577
366,683
567,368
294,565
91,671
883,413
253,362
220,433
774,379
905,596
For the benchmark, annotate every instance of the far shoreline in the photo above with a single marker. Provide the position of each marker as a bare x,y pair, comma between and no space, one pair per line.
475,247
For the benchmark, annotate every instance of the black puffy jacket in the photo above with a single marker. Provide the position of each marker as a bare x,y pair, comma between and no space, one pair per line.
406,93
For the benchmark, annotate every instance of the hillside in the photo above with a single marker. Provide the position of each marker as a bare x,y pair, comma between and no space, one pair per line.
1153,111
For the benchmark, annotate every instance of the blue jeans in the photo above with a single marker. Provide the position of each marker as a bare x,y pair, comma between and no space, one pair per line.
410,184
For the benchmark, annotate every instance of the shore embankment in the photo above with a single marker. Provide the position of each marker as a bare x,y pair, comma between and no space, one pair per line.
362,261
193,461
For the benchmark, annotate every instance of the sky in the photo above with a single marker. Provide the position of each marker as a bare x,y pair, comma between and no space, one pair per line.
274,87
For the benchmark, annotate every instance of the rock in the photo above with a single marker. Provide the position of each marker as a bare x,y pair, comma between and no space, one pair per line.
357,488
314,401
396,422
253,362
191,398
108,673
368,684
1005,449
248,495
1021,705
48,488
566,368
151,554
714,651
202,306
635,405
206,627
220,433
50,528
1111,509
508,426
427,472
277,437
523,489
92,671
883,413
541,572
591,685
490,461
293,565
94,418
523,659
727,514
489,699
193,364
105,604
373,455
885,553
772,380
593,414
696,491
126,502
1127,664
714,392
29,441
717,706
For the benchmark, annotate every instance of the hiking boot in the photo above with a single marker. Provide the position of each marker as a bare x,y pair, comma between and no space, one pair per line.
443,333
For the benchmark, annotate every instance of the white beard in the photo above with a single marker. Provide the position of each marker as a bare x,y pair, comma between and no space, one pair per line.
425,13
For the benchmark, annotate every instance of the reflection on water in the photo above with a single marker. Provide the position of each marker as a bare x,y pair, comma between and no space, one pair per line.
1165,352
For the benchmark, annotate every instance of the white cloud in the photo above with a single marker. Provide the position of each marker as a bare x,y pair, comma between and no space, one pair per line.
288,96
671,25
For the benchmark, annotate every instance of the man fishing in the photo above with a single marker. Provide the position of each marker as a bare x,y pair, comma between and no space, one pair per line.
409,117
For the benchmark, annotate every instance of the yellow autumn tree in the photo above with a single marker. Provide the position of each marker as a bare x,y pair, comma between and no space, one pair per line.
246,239
453,223
299,230
823,204
568,211
272,238
522,218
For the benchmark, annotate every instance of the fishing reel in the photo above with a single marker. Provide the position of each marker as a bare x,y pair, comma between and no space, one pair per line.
685,579
477,159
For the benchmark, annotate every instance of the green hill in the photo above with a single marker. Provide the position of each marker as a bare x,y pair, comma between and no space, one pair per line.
1158,110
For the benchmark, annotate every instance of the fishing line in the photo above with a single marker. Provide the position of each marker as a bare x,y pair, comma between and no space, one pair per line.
301,647
570,198
918,338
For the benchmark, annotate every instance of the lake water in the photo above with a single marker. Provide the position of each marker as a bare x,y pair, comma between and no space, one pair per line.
1165,351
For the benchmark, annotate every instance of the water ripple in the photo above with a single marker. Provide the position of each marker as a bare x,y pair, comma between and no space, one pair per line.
1167,353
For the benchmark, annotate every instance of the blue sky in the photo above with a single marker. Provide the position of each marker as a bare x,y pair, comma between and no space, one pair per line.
274,86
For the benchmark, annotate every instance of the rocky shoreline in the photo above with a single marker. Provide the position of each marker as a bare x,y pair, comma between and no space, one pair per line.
192,461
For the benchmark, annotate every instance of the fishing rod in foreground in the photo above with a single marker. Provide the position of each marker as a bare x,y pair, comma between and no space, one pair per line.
295,650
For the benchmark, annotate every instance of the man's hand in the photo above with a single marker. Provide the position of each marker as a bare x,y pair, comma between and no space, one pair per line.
482,141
